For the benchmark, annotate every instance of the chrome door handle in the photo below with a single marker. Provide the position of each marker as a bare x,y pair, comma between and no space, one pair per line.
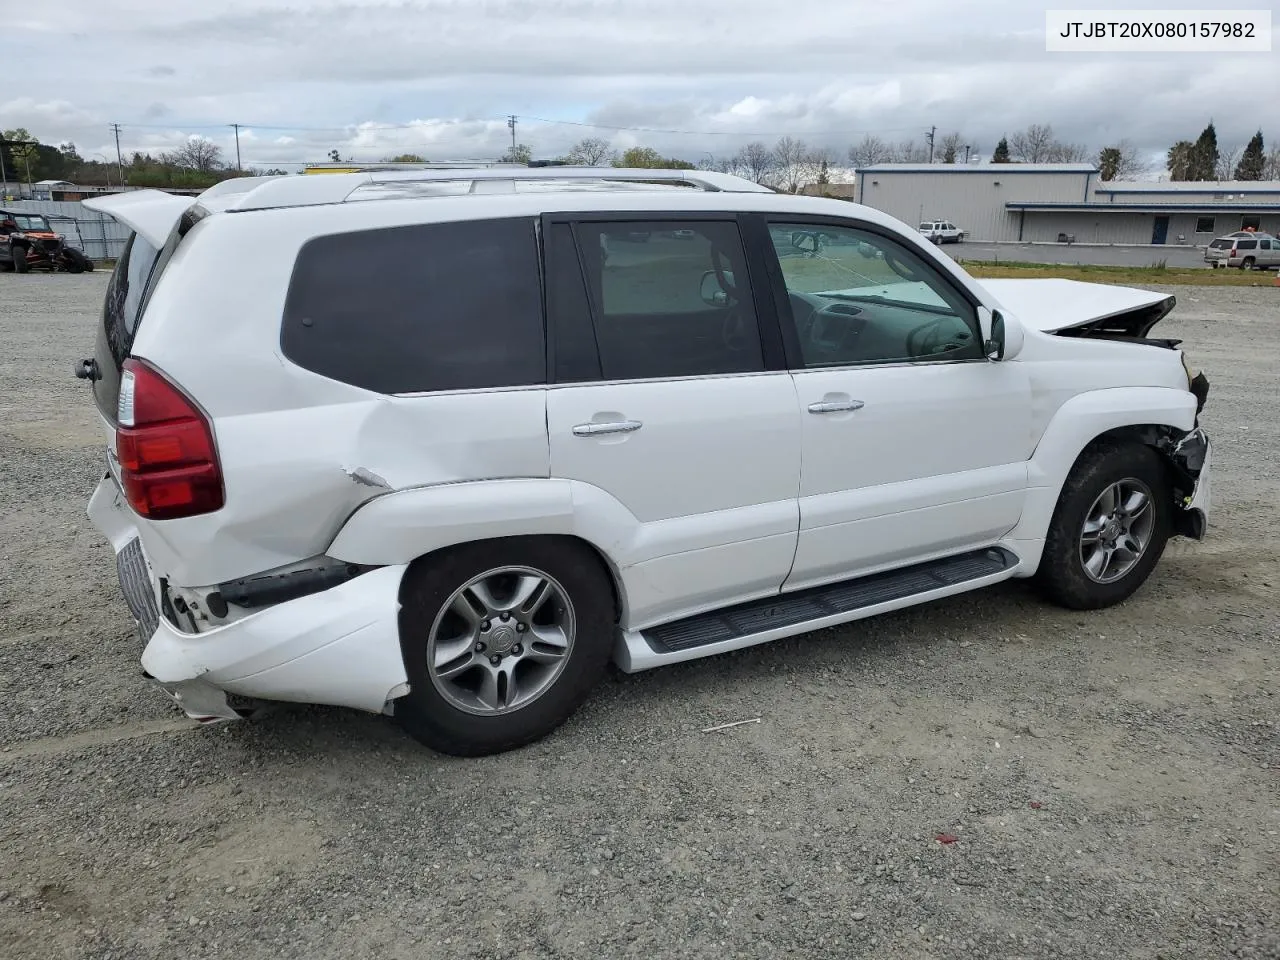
835,406
597,429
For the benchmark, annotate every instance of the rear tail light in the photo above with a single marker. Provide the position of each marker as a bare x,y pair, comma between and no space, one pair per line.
164,442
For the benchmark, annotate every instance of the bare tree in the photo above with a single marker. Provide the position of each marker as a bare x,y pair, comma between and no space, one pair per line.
1225,168
871,150
756,161
198,153
1067,152
591,152
814,165
1123,161
952,145
1032,145
1271,169
911,151
788,163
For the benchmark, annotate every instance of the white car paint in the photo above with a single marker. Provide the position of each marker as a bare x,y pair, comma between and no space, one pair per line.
1051,304
730,489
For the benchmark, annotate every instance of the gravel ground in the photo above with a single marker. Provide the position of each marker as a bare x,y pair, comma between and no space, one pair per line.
1109,779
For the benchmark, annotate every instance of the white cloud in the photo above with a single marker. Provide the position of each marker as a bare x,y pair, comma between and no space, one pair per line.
373,78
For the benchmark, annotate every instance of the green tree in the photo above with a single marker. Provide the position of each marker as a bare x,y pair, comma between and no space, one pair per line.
1001,154
1204,155
824,173
407,158
1180,160
1254,161
22,153
334,156
1109,162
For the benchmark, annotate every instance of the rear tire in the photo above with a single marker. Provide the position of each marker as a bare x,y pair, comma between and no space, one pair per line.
1102,544
1247,263
469,669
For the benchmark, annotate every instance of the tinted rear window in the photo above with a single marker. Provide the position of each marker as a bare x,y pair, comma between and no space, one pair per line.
442,306
1221,244
1246,244
121,311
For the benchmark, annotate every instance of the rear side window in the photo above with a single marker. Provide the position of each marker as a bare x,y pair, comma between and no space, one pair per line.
1246,244
668,306
441,306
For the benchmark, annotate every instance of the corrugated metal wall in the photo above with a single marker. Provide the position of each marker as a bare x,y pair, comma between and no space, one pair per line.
974,201
99,236
1110,227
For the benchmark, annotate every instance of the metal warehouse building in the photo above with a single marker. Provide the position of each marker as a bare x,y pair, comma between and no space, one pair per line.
1060,201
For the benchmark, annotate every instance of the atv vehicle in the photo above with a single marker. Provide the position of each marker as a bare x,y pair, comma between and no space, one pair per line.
27,241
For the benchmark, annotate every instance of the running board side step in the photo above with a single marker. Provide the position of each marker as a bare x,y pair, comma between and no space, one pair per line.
816,608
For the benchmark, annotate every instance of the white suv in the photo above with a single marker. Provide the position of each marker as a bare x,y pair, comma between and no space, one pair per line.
406,443
941,231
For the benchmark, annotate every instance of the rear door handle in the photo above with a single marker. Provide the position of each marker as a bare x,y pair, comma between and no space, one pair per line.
594,429
835,406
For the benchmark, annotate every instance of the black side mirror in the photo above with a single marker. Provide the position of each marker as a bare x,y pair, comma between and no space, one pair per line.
995,346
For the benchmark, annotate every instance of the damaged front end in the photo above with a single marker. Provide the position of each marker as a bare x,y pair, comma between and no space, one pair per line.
1189,461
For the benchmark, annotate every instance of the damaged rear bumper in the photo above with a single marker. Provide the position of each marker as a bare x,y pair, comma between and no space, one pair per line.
339,647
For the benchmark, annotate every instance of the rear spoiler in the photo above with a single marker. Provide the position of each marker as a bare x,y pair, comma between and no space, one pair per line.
149,213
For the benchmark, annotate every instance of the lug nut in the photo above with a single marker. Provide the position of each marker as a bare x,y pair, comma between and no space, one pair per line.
521,628
485,625
517,649
495,659
479,648
504,616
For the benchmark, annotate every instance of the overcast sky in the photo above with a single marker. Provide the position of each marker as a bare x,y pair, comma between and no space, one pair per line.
438,77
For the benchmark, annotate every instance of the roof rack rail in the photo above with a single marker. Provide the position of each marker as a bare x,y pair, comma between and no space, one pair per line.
338,187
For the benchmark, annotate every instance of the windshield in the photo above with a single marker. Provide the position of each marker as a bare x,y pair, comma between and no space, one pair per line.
26,221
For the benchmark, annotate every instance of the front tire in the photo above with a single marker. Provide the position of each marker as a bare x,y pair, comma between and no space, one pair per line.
1110,527
502,641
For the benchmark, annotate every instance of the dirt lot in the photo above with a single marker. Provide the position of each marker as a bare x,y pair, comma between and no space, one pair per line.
1111,778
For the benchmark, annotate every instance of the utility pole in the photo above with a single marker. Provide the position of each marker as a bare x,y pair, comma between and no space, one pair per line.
966,154
4,176
511,123
237,129
929,136
119,156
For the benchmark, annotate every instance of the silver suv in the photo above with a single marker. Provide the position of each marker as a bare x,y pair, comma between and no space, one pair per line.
1246,250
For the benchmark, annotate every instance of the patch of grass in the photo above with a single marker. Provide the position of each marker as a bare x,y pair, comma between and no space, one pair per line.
1157,273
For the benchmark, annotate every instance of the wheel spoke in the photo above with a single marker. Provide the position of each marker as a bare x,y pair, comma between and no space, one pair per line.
496,686
1097,562
480,595
1092,532
547,645
1135,505
465,607
450,669
1108,500
531,593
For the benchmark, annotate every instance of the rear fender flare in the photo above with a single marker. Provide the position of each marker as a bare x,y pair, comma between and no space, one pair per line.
403,525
